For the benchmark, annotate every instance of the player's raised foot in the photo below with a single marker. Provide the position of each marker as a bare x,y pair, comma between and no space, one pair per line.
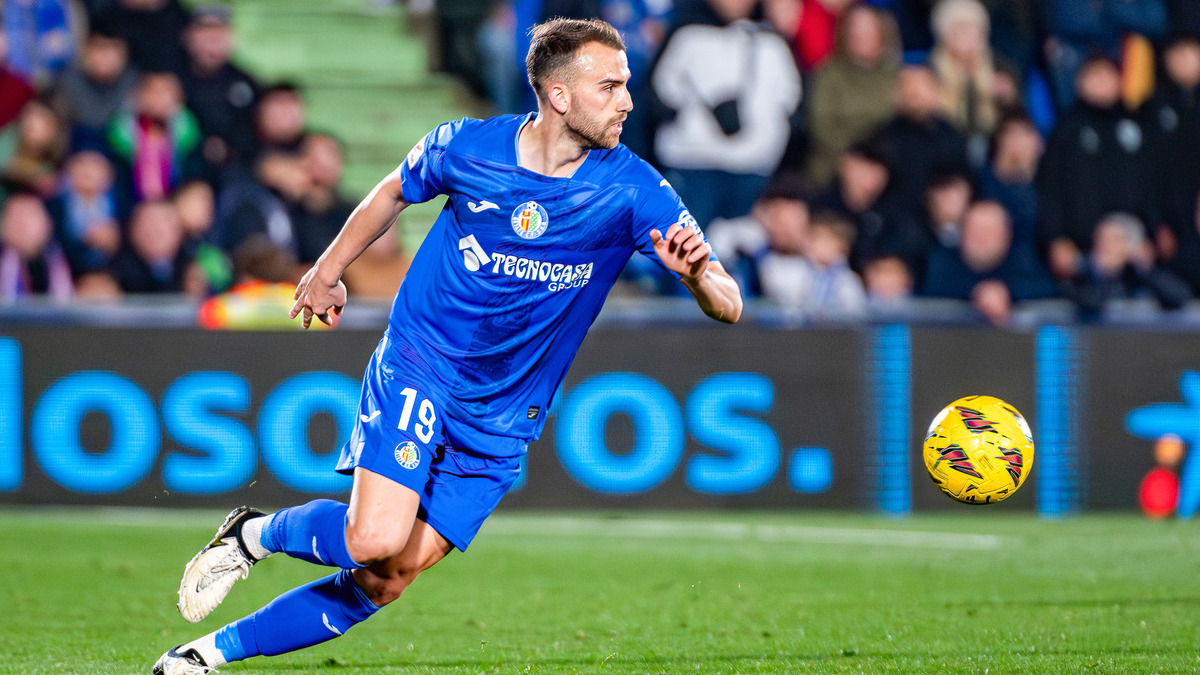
187,662
216,568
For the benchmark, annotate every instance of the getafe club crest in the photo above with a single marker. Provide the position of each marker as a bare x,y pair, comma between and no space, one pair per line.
407,455
529,220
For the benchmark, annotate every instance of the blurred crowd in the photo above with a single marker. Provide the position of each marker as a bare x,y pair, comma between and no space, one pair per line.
844,157
847,157
136,158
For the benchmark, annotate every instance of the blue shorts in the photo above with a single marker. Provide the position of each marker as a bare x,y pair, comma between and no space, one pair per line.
398,434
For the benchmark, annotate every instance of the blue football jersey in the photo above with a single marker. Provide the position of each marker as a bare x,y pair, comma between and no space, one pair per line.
514,271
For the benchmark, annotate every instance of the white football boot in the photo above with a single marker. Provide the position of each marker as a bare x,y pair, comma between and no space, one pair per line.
216,568
187,662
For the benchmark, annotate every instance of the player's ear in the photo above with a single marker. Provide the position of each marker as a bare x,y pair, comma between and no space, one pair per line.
559,97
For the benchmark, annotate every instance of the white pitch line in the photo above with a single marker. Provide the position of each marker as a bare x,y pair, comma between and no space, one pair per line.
681,529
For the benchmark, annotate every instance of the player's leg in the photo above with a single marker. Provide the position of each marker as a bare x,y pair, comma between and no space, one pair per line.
319,532
385,580
315,532
382,534
325,531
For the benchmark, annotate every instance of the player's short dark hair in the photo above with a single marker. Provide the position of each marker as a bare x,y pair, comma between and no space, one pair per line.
553,44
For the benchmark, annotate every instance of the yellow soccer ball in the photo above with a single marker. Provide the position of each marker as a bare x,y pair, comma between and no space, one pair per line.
979,450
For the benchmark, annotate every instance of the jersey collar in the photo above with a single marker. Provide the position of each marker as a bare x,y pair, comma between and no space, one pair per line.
580,171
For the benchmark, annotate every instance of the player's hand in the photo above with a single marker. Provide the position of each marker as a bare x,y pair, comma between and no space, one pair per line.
315,297
683,250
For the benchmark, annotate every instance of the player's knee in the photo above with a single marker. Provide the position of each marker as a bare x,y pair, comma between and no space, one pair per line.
393,586
385,581
368,543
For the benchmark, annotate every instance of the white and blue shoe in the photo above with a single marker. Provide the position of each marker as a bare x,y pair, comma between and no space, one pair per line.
187,662
210,575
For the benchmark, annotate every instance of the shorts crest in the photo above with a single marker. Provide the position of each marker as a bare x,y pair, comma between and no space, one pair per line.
407,455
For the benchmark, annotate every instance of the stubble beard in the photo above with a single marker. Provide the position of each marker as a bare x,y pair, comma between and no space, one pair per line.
592,135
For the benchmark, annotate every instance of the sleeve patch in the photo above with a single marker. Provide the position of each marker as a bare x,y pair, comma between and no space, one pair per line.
414,155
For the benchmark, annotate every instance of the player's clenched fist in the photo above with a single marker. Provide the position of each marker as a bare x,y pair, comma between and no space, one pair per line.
315,297
682,249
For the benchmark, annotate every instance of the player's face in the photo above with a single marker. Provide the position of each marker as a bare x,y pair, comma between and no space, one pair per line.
600,99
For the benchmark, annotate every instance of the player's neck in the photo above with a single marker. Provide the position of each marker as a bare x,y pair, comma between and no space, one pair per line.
548,148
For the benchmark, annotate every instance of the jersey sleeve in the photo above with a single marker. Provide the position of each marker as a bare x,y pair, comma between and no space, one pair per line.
421,176
659,209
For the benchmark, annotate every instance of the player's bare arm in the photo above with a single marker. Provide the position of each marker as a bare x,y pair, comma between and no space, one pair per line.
320,291
684,251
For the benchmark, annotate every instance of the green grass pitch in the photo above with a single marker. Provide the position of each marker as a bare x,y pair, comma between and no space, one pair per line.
971,591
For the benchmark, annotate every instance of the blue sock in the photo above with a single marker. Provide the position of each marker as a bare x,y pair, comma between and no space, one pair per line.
302,617
315,532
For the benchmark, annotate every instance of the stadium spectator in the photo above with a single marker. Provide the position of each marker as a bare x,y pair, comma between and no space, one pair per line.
888,283
85,212
852,93
963,62
154,258
1120,266
498,74
41,143
15,90
41,38
814,37
95,87
196,205
153,29
279,119
825,287
98,287
1010,176
984,268
770,238
158,140
1097,161
321,212
1007,90
31,262
221,95
861,193
1017,27
920,134
266,204
947,199
265,278
1083,28
1173,124
732,90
